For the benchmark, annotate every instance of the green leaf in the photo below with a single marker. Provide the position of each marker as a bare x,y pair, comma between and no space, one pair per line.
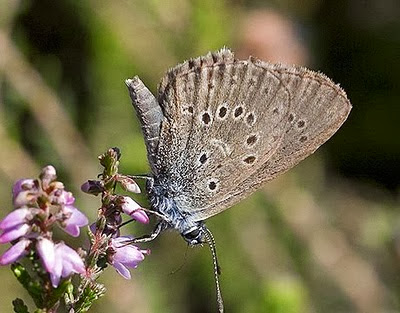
19,306
33,287
58,293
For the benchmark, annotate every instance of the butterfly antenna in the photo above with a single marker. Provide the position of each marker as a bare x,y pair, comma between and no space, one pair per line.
182,264
217,270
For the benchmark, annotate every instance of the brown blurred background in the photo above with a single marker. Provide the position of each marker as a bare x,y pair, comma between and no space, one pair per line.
324,237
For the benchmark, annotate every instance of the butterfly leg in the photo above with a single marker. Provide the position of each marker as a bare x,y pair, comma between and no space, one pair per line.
157,230
149,180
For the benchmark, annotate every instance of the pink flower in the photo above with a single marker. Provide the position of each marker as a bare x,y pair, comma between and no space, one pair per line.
74,218
48,175
15,232
25,191
15,252
59,260
128,184
133,209
125,255
67,262
93,187
15,218
46,250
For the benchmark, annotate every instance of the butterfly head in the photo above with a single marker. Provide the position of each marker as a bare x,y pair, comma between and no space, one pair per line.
195,234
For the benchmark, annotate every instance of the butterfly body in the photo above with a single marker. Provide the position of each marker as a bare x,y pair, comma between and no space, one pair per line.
175,217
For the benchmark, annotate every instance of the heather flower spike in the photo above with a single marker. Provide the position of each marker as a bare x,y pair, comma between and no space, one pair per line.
39,205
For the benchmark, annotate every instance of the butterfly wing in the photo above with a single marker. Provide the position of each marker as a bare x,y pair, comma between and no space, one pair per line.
231,125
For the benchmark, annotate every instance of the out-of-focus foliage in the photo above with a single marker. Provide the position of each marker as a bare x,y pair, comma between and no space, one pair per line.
322,238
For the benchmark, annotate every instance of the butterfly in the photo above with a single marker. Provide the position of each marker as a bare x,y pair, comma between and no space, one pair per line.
220,128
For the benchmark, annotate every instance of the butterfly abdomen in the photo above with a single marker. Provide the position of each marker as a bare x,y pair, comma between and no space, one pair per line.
149,113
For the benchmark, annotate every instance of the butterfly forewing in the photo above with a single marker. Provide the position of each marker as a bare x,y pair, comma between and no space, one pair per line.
224,119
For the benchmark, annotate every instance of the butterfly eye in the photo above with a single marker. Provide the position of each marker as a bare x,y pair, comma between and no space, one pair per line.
193,235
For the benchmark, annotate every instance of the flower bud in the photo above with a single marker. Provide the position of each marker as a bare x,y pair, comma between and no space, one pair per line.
25,192
48,175
133,209
128,184
93,187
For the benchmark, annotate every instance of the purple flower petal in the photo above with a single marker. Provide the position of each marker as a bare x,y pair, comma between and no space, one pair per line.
66,198
15,218
14,233
93,187
122,270
55,274
130,255
46,250
72,261
24,192
67,262
133,209
76,219
15,252
140,216
128,205
125,255
23,185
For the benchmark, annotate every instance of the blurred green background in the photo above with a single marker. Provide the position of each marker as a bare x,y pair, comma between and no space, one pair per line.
324,237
